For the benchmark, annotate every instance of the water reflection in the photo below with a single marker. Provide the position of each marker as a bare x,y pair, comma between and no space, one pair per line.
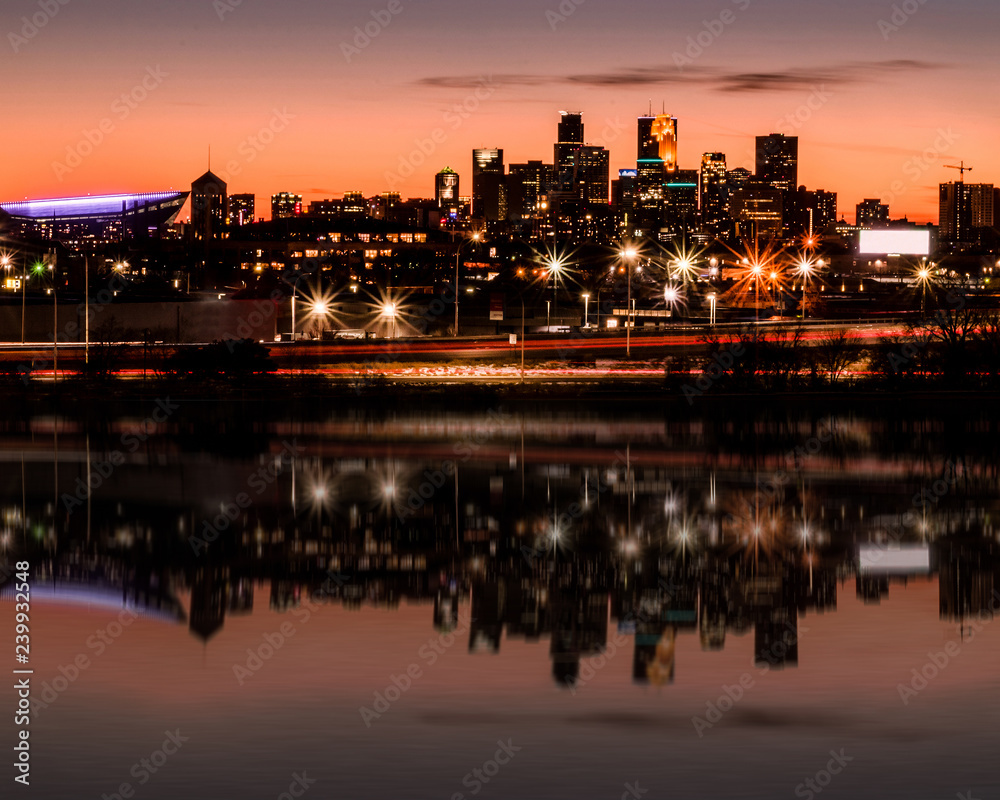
579,531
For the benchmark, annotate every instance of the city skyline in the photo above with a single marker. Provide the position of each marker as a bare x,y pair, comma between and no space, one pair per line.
745,71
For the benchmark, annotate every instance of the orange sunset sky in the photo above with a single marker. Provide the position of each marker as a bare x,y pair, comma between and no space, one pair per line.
880,99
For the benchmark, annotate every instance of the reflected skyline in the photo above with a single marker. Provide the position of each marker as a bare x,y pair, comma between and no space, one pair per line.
646,532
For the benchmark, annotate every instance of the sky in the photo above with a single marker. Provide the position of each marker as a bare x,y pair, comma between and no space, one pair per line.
130,95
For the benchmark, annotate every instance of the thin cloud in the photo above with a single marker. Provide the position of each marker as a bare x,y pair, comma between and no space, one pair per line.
709,77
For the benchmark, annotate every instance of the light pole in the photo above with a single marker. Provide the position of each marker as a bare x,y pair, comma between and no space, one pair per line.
757,271
805,269
556,266
522,338
475,238
924,274
86,307
586,310
711,313
55,326
627,255
389,310
295,291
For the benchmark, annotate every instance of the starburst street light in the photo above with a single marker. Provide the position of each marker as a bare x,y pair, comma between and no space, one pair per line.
673,296
391,311
924,277
805,268
476,237
628,254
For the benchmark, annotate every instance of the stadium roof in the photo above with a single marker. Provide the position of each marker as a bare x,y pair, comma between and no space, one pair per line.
92,206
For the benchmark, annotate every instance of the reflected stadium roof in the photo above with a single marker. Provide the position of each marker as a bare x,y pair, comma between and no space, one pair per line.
95,207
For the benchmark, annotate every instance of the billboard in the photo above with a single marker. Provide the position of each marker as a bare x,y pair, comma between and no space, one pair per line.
902,560
895,243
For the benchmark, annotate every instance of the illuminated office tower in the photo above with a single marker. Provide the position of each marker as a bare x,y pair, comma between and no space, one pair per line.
714,191
778,161
569,137
966,209
527,183
590,173
209,206
241,209
285,205
872,213
658,139
488,196
758,209
446,190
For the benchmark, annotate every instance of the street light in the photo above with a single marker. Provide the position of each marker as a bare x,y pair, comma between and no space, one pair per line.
390,310
805,269
711,313
628,254
475,238
38,269
295,290
757,271
924,276
556,266
586,310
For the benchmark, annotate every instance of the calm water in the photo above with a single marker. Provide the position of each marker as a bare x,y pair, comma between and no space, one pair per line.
506,604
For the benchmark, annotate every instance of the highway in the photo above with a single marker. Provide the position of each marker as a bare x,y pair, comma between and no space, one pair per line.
437,358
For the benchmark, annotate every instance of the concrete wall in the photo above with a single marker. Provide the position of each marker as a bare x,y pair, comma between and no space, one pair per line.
198,321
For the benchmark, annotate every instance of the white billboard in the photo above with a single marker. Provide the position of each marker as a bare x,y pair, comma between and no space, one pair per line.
895,243
889,560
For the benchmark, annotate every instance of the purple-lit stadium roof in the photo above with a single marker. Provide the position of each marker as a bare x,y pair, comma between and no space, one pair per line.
104,206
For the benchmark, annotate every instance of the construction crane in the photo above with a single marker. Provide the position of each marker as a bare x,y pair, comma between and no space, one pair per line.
961,170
